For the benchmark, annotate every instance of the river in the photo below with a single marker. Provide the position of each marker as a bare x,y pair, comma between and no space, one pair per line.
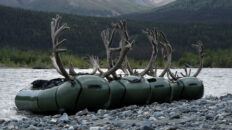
217,82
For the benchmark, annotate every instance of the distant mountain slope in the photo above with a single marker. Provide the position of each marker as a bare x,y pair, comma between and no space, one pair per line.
182,11
86,7
25,30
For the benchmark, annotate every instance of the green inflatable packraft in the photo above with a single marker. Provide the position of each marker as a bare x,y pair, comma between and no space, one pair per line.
90,92
93,92
129,90
193,88
160,90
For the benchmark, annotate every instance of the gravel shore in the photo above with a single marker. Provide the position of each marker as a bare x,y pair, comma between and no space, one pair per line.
207,113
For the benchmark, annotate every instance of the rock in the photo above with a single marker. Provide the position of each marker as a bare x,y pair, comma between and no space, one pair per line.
106,115
83,112
53,120
140,112
77,126
146,126
31,127
127,113
56,116
200,102
226,97
64,118
10,127
47,118
2,121
209,117
71,128
158,114
132,107
84,122
205,126
117,123
101,112
93,117
152,119
96,128
174,115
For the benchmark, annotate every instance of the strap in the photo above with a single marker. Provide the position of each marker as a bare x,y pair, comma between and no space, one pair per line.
78,95
124,93
132,81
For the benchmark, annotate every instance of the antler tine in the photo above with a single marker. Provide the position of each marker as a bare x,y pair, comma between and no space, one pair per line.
56,31
121,27
199,46
189,72
123,53
95,63
164,37
124,47
71,69
107,37
152,36
166,49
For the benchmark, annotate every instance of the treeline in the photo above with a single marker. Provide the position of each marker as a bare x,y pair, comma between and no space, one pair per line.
10,57
30,30
219,58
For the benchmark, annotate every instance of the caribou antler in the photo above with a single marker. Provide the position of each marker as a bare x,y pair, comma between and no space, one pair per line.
166,53
125,45
152,36
200,48
121,27
56,31
107,37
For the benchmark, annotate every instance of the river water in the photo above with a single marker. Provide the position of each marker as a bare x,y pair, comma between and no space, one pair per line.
217,82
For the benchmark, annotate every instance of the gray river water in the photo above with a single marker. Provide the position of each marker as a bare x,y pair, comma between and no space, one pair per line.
217,83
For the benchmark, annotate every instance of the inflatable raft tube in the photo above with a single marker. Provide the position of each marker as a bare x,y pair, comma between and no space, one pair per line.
129,90
188,88
93,92
90,92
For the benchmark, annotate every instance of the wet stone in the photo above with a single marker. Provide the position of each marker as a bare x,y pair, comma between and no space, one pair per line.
209,117
127,113
96,128
64,118
158,114
146,126
207,113
83,112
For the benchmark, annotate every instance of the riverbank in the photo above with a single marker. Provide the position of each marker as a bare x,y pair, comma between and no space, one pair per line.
206,113
10,57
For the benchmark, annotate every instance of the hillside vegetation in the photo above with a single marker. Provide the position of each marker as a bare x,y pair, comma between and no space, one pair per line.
29,30
11,57
84,7
190,11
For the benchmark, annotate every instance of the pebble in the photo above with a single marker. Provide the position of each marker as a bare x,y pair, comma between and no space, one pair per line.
207,113
146,126
64,118
83,112
96,128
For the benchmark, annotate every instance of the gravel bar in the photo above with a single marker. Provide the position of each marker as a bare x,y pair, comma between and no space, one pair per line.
206,113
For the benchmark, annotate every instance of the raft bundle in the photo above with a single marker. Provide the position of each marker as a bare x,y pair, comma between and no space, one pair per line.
93,92
106,89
